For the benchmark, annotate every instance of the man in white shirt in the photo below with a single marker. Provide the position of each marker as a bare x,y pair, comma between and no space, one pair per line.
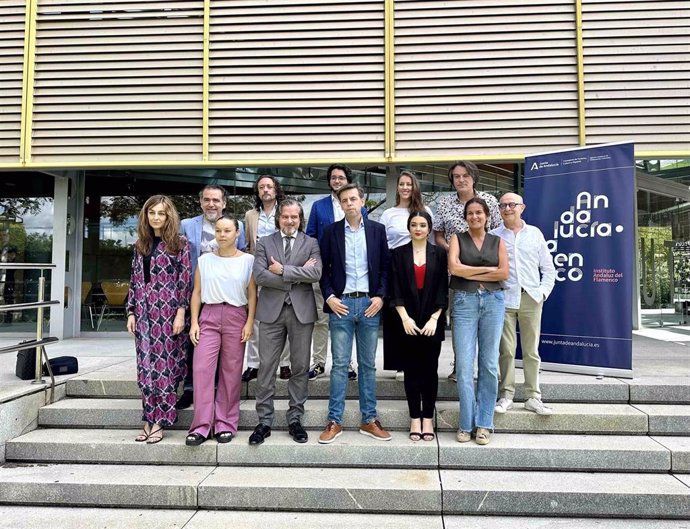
530,281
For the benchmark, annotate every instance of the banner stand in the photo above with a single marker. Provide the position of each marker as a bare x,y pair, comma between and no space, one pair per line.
583,201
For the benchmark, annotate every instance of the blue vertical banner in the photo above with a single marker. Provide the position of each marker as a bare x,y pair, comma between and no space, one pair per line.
583,200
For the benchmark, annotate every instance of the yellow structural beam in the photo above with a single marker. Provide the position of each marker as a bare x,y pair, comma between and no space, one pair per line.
389,76
205,89
28,82
580,74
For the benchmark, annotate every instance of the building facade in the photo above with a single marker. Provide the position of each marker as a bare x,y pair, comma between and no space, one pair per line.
103,101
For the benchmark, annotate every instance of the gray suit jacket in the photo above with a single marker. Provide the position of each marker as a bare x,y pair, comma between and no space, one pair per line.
296,278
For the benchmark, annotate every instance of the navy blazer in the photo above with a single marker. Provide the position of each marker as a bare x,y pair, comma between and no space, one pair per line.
333,258
191,228
321,216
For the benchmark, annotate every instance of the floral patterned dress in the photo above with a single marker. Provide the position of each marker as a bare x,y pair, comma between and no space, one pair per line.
161,362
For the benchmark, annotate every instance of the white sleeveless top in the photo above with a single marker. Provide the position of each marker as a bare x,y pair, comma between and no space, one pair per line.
225,279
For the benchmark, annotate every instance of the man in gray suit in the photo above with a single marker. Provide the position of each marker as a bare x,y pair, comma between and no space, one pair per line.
286,264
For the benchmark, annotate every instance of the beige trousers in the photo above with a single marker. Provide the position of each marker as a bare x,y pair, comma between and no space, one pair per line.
320,337
529,318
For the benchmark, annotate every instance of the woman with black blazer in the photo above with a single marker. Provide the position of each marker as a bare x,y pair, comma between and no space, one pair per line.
419,293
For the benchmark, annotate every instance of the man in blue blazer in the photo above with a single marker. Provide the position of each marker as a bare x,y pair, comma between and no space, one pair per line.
200,232
325,212
354,252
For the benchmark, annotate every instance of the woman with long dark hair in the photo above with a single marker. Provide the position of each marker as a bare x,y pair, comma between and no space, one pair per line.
408,199
419,292
159,291
478,262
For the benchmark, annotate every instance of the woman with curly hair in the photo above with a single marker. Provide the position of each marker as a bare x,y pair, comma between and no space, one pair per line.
159,292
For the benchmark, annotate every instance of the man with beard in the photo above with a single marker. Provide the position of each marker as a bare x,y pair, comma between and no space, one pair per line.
287,263
200,231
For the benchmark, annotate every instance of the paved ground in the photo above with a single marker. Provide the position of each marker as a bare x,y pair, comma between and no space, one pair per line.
656,353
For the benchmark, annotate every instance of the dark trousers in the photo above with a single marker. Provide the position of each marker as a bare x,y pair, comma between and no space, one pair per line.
420,364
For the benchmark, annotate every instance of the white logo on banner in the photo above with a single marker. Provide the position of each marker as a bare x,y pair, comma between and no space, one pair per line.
574,222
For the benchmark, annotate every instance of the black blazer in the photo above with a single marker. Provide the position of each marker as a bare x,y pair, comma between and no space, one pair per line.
333,257
404,290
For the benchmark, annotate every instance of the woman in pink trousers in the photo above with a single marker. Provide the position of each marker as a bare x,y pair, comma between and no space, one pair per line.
223,282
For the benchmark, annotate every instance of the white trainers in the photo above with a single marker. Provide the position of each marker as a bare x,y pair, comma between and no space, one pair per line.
503,405
537,407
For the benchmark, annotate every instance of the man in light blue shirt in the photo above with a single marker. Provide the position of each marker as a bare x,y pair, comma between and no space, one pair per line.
530,281
354,252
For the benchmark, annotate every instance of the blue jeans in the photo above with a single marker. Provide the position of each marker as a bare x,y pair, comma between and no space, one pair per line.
477,316
366,332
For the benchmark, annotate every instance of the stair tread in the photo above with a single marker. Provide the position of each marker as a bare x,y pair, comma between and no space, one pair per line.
528,451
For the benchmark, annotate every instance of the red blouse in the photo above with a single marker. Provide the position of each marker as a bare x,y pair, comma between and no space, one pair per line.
419,273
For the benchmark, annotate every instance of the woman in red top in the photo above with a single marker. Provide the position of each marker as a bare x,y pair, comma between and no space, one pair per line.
419,292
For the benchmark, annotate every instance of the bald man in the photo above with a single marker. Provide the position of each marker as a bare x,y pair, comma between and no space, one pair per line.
530,281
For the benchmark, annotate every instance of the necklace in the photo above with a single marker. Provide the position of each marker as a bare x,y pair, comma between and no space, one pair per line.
233,254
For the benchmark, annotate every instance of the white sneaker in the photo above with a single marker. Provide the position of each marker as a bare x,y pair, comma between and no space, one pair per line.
503,405
400,376
537,406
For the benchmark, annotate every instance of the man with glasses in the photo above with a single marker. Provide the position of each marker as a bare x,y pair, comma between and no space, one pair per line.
450,215
325,212
200,231
530,281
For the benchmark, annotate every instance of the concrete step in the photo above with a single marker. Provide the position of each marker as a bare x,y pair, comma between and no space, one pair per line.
565,494
660,390
514,451
667,419
680,452
324,490
362,490
555,388
567,418
535,522
31,517
21,517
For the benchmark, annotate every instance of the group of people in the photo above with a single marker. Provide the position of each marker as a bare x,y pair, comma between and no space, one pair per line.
207,289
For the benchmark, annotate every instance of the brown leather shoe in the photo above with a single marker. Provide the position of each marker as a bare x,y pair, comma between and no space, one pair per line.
375,430
333,430
285,373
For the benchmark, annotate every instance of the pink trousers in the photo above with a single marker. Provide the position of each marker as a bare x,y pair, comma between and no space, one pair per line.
219,345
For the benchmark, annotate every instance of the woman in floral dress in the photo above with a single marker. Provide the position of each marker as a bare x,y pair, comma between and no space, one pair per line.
159,293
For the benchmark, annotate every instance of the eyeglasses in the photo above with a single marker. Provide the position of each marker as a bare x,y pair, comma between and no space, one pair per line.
509,205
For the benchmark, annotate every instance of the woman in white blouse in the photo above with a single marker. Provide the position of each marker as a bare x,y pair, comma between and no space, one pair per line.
223,282
408,198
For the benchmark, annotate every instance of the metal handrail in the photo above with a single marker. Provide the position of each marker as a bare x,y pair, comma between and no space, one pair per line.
39,306
26,266
27,345
30,305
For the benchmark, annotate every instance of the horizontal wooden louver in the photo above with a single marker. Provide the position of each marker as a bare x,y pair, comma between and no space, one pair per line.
118,80
484,78
296,79
12,17
637,73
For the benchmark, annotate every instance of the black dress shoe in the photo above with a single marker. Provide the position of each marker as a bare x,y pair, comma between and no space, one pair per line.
249,374
260,433
185,400
285,373
298,433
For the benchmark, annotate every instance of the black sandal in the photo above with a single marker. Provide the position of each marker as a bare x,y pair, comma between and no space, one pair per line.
194,439
224,437
418,436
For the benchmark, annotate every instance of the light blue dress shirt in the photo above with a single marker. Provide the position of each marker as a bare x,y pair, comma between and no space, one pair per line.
356,263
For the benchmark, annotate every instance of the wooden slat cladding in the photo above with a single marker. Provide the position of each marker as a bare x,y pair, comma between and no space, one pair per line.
118,80
12,19
637,73
484,78
296,79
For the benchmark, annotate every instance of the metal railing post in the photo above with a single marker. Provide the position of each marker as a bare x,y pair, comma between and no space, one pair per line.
39,332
